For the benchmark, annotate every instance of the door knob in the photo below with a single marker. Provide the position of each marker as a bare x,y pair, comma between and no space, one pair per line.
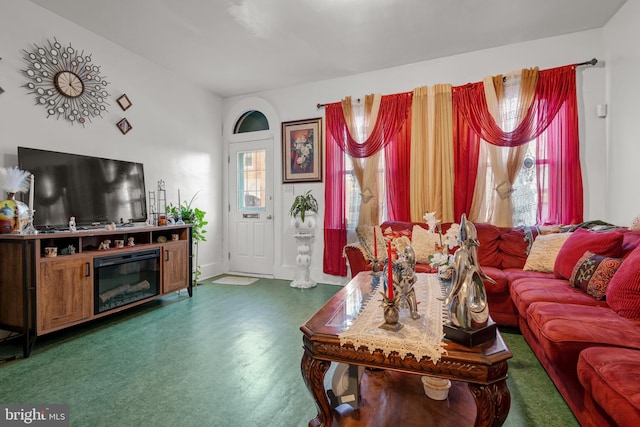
269,217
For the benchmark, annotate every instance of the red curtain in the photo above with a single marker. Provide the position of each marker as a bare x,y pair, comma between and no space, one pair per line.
555,91
398,174
552,90
466,149
391,118
335,223
390,129
561,171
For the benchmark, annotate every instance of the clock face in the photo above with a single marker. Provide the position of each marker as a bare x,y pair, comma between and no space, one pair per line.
66,82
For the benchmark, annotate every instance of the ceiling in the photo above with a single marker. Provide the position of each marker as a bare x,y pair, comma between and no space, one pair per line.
234,47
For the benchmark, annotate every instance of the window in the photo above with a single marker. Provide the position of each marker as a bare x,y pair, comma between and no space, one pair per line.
354,193
251,180
523,191
251,121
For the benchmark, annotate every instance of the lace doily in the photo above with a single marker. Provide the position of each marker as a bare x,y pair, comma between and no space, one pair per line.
421,337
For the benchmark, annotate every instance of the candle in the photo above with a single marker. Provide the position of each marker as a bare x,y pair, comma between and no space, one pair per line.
390,270
375,245
31,185
178,198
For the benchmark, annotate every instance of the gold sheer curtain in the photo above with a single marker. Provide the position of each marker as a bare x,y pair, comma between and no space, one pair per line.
432,153
508,99
366,170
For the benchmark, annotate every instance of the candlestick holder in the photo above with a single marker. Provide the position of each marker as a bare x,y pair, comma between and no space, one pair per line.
179,221
391,311
30,229
375,272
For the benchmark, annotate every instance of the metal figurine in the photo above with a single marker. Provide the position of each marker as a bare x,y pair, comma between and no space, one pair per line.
467,299
408,279
404,278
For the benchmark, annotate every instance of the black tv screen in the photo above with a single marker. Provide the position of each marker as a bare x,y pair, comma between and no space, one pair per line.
92,189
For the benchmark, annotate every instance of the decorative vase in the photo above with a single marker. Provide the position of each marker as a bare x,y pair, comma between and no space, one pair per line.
307,226
14,215
391,313
445,272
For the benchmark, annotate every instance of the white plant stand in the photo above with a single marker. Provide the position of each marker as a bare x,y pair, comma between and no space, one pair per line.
303,260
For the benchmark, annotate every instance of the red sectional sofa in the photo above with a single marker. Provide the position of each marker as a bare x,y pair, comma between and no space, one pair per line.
590,348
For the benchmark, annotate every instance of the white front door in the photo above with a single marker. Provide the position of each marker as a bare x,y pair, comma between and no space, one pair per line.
251,245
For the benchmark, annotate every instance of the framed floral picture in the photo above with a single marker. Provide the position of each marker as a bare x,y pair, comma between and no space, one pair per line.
302,150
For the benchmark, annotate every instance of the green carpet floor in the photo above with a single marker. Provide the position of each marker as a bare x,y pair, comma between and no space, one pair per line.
229,356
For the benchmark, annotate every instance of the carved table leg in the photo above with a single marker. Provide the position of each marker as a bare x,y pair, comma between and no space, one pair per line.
493,402
313,371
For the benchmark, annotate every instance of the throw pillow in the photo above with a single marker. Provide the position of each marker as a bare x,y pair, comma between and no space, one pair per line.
623,292
543,253
365,235
424,244
592,273
607,243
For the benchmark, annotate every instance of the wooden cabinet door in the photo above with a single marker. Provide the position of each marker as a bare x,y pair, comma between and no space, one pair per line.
175,266
65,292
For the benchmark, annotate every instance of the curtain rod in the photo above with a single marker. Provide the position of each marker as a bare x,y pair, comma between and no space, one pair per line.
319,106
592,61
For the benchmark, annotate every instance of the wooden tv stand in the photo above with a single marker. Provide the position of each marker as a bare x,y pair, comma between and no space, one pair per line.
39,294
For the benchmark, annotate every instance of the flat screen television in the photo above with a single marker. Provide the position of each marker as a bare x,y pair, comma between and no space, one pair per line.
94,190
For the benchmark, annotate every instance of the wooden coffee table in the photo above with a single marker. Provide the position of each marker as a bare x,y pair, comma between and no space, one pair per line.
483,368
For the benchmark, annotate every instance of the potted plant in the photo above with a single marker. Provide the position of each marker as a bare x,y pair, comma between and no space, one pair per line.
195,216
303,210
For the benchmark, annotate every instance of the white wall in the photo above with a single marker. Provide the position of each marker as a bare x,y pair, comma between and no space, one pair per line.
299,102
621,35
177,126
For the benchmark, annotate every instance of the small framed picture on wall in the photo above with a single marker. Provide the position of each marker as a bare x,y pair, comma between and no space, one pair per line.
124,126
302,150
124,102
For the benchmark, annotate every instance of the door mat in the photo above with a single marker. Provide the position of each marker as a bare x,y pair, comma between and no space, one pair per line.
235,280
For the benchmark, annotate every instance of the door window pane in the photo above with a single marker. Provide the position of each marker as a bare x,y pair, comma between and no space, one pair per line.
251,180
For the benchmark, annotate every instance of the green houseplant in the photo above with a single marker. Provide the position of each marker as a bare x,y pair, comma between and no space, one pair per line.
303,203
195,216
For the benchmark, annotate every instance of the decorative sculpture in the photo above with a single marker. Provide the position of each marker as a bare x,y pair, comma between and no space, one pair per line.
402,294
467,299
407,280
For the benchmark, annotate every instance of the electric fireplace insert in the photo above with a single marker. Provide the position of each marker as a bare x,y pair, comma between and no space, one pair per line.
125,278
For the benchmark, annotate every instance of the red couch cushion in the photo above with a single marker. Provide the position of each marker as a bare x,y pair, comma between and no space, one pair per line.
526,291
630,240
566,329
514,246
501,287
623,292
610,377
602,243
488,253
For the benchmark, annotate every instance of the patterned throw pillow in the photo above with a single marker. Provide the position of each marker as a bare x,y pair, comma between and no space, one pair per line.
592,273
544,251
365,235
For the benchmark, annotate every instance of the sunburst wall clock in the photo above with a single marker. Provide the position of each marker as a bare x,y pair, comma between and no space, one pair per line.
66,82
